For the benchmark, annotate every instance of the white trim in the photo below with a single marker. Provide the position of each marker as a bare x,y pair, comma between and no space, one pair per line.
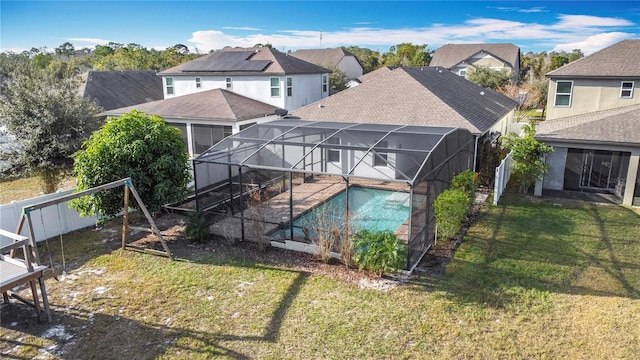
570,94
272,87
630,90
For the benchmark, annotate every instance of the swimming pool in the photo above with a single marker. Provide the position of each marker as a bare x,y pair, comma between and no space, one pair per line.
371,209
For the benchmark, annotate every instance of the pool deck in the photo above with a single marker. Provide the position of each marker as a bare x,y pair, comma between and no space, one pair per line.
306,196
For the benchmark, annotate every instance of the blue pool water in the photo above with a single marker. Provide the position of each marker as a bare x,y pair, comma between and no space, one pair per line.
371,209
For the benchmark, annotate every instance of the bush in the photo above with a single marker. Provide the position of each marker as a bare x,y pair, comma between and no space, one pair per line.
136,145
450,208
466,181
197,227
378,251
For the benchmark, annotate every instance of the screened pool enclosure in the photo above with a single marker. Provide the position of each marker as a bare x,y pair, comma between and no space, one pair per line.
292,183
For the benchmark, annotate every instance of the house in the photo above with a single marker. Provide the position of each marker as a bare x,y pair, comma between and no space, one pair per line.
337,58
370,75
603,80
418,96
461,58
593,122
206,117
594,152
263,74
116,89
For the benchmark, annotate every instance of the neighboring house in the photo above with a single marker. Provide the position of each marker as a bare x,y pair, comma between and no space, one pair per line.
603,80
595,152
116,89
593,123
418,96
262,74
337,58
206,117
462,58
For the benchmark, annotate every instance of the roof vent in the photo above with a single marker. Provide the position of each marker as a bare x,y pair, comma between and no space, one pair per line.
482,93
320,106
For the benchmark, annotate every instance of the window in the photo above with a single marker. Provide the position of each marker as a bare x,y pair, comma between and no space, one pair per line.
563,93
626,89
379,157
333,155
169,85
324,83
275,87
462,72
205,136
229,83
289,86
198,83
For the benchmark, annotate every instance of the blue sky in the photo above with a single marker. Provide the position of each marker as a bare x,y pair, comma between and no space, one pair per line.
290,25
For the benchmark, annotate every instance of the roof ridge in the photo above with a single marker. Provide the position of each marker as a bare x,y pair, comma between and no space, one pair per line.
225,93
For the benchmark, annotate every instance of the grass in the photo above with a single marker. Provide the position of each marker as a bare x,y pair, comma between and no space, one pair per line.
528,115
530,280
25,188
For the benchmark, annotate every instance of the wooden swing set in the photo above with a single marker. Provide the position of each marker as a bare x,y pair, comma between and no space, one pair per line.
15,271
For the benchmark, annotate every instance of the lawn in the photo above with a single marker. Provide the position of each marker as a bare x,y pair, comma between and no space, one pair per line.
530,280
25,188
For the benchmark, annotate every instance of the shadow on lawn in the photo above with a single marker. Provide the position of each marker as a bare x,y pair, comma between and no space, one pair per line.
78,334
520,252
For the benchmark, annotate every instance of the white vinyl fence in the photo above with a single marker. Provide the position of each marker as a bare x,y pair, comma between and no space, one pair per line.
503,173
47,222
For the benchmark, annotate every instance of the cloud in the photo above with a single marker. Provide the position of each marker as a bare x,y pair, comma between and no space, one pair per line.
82,42
588,33
15,50
594,43
246,28
533,10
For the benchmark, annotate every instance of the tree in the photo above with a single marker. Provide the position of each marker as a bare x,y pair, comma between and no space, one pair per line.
528,153
407,54
337,79
369,59
486,77
136,145
66,49
48,118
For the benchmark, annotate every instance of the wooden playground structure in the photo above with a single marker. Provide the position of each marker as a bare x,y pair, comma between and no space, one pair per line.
18,269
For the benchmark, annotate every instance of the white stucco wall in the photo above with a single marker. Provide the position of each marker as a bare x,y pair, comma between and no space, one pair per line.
307,88
351,67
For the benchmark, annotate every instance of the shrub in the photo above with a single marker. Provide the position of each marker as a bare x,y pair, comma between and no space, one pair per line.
136,145
466,181
197,227
378,251
450,208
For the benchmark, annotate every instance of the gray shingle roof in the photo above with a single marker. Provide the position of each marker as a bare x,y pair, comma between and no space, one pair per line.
618,60
217,104
115,89
452,54
375,73
322,57
414,96
240,61
619,125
